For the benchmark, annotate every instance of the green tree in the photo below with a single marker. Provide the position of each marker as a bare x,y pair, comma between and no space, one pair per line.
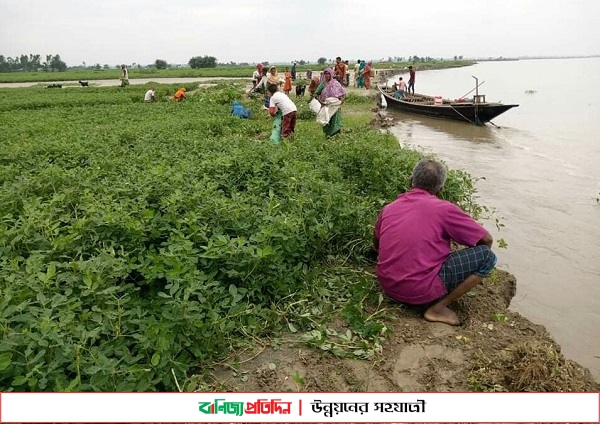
160,64
46,63
33,63
56,64
24,62
203,62
321,60
4,65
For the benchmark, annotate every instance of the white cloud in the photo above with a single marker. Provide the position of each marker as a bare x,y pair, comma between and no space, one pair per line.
143,30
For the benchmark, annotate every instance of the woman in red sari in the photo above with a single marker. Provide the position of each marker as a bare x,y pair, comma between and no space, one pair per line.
314,83
366,74
287,86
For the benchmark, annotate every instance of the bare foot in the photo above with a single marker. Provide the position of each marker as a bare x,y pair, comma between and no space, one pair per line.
441,313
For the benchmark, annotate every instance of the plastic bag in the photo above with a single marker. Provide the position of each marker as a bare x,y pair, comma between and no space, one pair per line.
240,111
276,132
314,105
383,103
330,107
323,116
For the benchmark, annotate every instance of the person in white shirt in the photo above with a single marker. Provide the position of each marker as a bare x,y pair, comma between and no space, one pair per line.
280,101
261,87
150,95
255,78
124,76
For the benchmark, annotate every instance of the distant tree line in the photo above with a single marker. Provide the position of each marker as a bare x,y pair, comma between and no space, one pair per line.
203,62
31,63
53,63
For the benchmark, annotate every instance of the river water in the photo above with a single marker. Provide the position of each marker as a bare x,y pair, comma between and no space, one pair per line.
542,175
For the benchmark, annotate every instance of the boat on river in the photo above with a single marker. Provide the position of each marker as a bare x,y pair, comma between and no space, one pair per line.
474,110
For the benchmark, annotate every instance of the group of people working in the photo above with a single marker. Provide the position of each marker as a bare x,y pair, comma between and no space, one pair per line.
363,72
261,71
326,89
150,96
400,88
262,78
413,234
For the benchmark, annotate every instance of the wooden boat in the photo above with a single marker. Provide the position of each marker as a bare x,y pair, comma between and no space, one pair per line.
476,110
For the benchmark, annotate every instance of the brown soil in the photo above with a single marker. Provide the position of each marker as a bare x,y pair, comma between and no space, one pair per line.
494,350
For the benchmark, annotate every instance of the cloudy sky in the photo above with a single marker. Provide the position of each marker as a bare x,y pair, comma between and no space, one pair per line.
141,31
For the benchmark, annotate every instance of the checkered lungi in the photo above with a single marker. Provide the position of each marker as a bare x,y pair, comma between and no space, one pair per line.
479,260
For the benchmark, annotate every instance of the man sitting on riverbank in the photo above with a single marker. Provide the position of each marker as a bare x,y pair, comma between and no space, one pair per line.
412,236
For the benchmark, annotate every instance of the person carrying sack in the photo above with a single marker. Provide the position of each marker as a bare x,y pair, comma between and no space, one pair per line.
281,103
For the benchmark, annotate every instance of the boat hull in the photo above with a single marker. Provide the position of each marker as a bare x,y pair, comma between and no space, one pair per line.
474,113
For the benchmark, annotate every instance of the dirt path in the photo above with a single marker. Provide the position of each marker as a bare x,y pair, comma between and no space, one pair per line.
495,350
117,82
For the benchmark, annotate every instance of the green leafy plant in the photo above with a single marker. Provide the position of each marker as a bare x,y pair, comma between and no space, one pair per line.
499,317
142,243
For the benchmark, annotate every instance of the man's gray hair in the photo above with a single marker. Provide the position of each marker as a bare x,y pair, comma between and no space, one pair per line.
429,175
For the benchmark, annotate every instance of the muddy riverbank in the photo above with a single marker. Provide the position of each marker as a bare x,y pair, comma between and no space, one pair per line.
495,350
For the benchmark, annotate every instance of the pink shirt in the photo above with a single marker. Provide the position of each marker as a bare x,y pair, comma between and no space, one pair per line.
414,234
